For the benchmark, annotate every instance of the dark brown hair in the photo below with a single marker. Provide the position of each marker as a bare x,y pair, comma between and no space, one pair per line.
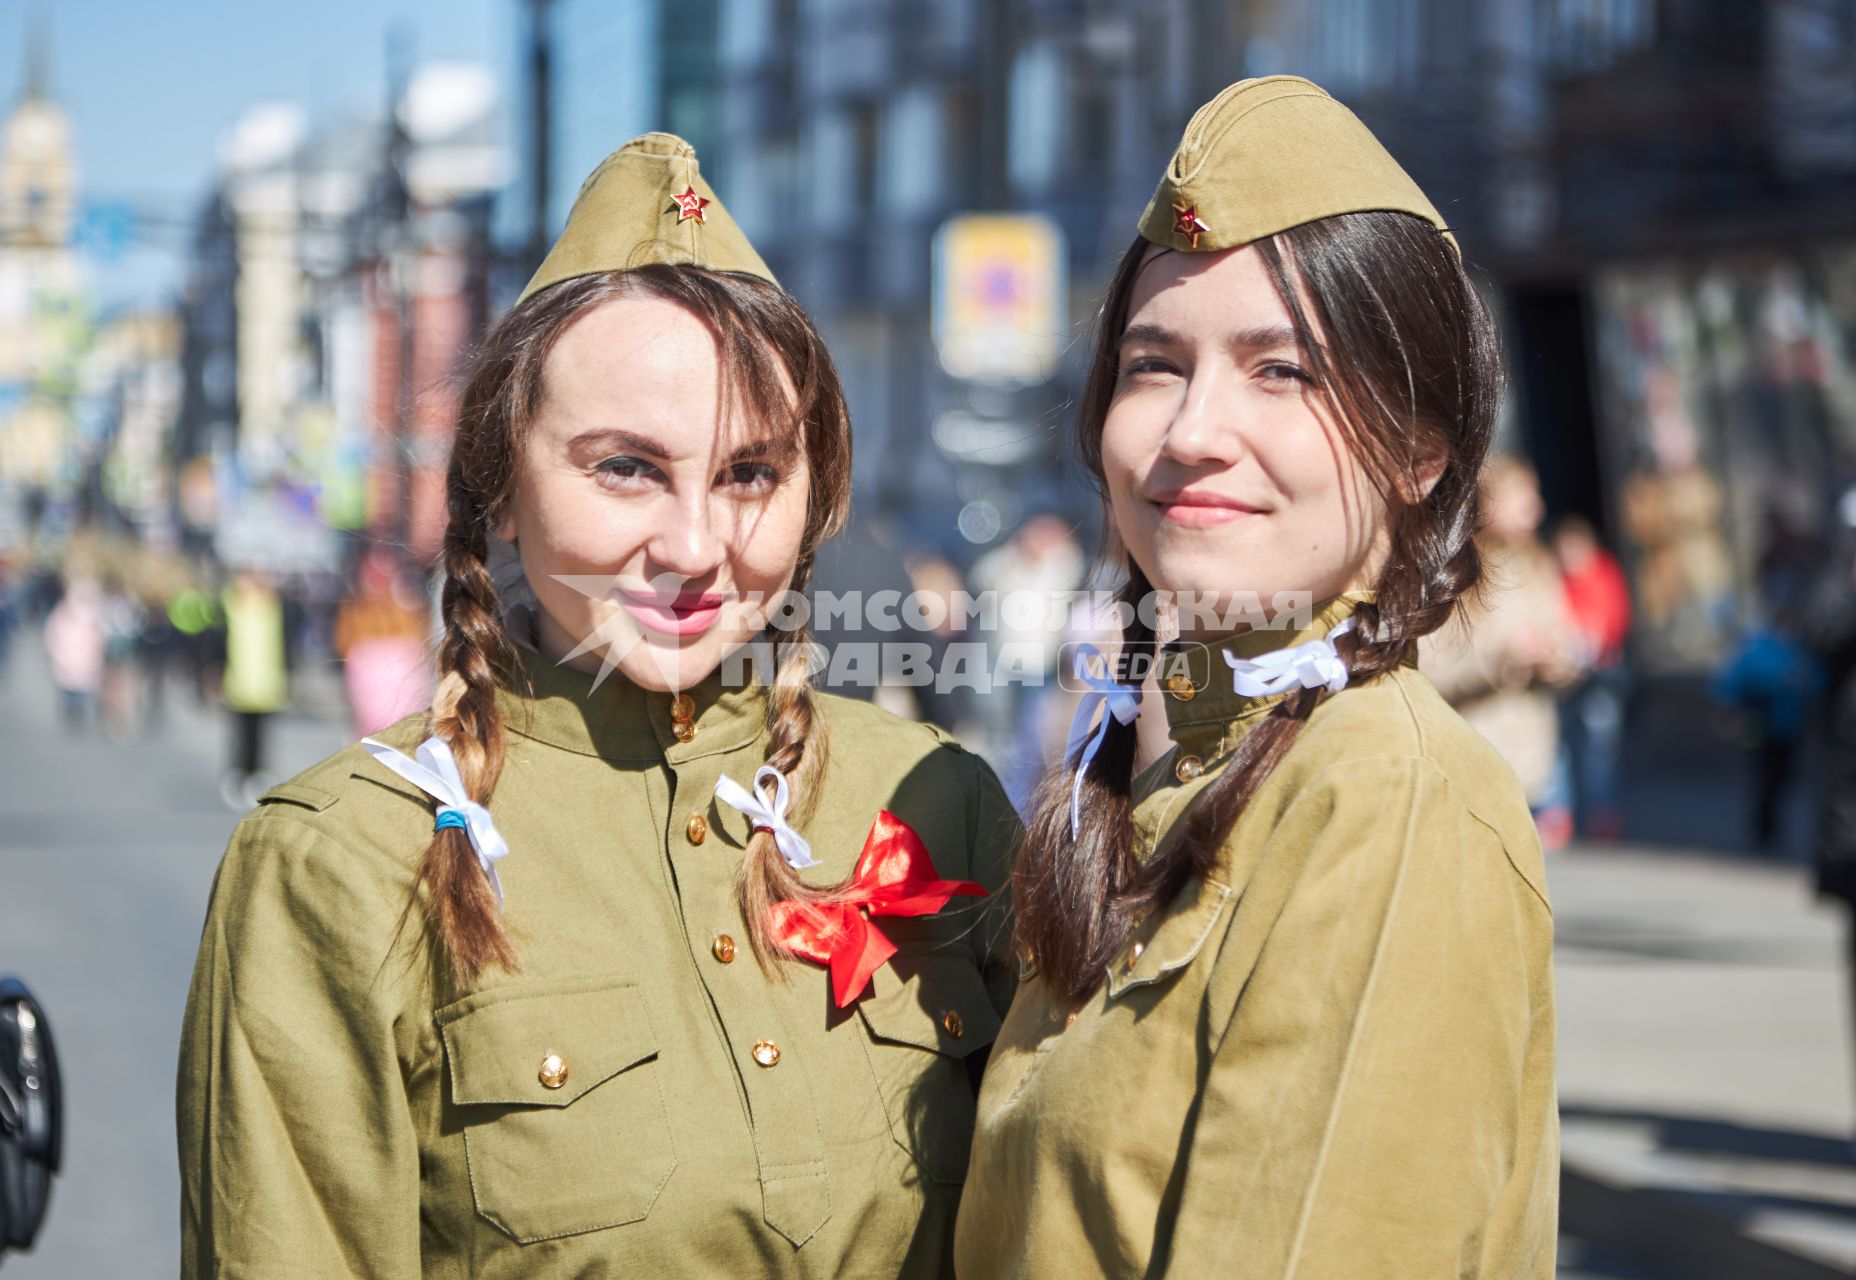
774,363
1407,363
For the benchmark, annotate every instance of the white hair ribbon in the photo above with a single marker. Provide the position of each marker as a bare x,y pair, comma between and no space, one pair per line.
1313,664
435,772
768,816
1123,703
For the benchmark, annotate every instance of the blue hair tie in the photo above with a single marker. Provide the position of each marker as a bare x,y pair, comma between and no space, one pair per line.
450,818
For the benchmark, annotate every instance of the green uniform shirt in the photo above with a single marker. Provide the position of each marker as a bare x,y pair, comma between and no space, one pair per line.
344,1110
1361,1085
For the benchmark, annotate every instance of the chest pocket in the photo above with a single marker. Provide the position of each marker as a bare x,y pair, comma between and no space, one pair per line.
927,1014
558,1095
1171,940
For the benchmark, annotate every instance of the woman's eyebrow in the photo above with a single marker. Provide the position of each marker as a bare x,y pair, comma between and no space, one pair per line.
1264,337
765,447
1259,338
606,438
614,439
1153,334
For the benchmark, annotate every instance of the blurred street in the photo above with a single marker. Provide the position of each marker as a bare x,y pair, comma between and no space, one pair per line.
1705,1069
106,857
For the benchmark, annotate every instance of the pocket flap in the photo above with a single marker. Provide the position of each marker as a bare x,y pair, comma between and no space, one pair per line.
935,1002
500,1043
1172,939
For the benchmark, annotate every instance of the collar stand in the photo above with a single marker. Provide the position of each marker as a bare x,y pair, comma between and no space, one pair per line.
619,720
1206,719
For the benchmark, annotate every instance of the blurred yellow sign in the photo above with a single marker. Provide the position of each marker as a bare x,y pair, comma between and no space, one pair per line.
999,297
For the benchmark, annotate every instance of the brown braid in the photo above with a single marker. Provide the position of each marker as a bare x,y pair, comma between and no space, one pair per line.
458,902
1419,388
796,746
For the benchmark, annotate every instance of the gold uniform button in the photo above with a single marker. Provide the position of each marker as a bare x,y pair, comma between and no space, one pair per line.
1181,687
956,1025
767,1053
697,830
553,1073
724,948
683,708
1188,768
684,731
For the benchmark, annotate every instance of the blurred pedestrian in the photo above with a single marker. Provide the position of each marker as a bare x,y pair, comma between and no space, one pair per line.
160,643
933,577
1771,681
1507,654
1828,625
380,636
74,642
119,702
256,683
1592,712
9,609
1038,565
199,625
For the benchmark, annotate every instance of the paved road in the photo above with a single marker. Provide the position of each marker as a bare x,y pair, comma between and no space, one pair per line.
1705,1072
106,858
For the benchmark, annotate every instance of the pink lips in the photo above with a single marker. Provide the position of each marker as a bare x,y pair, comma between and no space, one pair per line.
685,614
1198,509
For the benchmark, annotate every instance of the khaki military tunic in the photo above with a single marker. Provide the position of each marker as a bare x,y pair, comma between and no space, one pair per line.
1331,1058
639,1099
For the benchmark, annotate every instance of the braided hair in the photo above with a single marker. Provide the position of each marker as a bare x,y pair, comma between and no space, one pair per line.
1414,392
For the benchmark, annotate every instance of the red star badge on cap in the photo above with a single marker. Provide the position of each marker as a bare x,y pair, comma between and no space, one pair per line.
1186,223
689,205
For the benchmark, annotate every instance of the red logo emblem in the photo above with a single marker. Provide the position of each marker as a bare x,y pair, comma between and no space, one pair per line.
689,205
1186,223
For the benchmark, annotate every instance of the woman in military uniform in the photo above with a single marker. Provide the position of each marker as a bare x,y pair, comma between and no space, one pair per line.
482,998
1290,1011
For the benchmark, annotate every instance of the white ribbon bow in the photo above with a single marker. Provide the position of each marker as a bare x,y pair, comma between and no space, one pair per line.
1123,703
793,846
1309,665
435,772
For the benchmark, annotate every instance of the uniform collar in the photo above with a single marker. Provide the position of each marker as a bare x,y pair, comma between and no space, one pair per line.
1210,721
618,720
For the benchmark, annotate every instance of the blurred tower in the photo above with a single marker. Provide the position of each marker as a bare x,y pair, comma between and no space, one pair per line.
42,319
38,174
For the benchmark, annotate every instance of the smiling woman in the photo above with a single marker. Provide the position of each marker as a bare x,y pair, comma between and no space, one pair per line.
1290,1010
469,998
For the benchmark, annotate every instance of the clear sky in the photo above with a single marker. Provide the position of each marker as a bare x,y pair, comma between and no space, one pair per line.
150,85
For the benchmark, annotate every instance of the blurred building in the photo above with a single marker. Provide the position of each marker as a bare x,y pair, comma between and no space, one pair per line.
339,278
129,400
44,319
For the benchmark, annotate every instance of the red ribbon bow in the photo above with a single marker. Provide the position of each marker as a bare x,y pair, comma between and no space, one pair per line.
895,877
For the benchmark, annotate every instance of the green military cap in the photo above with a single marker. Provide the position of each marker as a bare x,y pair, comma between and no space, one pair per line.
1269,154
647,202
